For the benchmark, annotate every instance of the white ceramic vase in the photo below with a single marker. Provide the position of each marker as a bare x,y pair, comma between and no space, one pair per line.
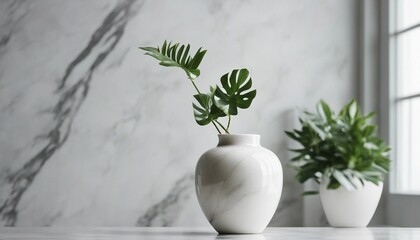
238,184
350,208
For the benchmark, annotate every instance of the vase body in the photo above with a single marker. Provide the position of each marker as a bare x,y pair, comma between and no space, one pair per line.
350,208
239,184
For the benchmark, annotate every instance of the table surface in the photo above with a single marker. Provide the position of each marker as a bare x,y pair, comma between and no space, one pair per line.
205,233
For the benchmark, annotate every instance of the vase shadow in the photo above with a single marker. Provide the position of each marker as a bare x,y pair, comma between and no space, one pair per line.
241,236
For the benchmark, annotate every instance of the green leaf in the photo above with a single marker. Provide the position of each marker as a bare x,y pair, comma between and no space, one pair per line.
308,171
171,56
343,180
317,129
369,130
334,184
198,57
369,116
324,111
185,55
292,135
206,111
235,93
353,109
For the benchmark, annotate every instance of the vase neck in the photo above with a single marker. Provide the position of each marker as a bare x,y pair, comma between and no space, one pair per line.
239,139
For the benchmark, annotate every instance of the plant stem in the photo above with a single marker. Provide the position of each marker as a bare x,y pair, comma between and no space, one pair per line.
216,127
228,122
195,86
227,131
198,91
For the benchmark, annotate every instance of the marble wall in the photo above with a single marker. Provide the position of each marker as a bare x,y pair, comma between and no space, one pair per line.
94,133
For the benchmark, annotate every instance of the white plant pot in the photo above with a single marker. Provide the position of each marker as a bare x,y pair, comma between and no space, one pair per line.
345,208
238,184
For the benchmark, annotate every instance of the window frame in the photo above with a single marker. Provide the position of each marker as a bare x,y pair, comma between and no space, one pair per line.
402,208
393,99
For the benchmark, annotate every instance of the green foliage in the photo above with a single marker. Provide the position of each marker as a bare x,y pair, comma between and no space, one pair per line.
235,94
219,102
207,111
172,56
340,147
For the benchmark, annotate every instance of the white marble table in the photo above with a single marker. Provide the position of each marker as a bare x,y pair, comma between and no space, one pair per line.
204,233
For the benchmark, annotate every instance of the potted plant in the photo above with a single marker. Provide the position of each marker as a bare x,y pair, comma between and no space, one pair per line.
238,183
342,154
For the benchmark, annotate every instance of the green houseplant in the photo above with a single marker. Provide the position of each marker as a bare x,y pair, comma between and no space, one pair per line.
340,152
219,101
239,182
339,147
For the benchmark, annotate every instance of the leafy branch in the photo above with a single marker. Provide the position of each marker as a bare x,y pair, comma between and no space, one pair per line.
219,102
340,147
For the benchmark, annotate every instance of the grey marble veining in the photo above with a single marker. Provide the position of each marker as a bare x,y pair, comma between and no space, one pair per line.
165,212
205,233
72,90
93,133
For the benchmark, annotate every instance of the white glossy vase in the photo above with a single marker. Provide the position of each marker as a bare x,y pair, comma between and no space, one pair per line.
350,208
238,184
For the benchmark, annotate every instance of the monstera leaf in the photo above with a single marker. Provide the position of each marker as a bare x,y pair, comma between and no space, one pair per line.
177,56
236,92
206,112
